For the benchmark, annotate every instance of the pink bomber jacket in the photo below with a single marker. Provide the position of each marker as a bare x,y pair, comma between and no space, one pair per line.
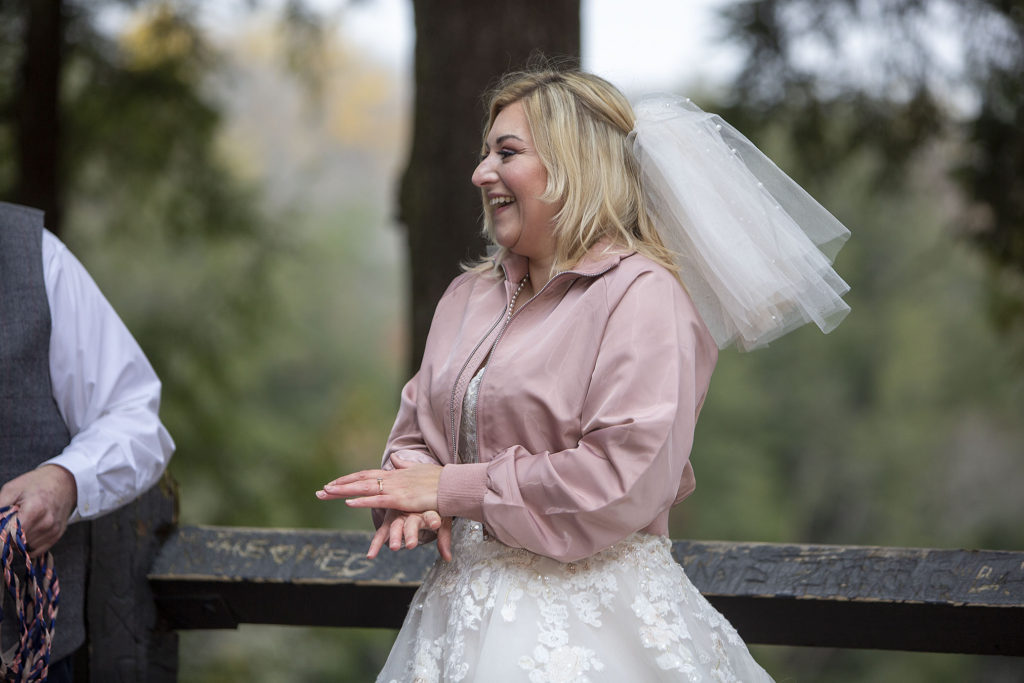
586,410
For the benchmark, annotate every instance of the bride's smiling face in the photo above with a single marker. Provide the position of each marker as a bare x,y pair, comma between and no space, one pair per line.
514,179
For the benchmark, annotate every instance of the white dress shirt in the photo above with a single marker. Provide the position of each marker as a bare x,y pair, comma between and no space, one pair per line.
105,389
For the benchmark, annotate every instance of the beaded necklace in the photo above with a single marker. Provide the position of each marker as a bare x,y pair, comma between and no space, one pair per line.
512,303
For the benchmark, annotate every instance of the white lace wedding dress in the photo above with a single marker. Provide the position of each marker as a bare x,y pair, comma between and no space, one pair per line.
497,614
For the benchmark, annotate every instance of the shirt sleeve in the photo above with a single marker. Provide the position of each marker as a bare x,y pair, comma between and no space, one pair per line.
105,389
638,419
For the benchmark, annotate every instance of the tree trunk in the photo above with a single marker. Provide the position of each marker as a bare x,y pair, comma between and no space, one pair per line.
36,110
462,48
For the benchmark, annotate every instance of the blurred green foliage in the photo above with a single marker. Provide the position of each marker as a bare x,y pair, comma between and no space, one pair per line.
276,327
907,75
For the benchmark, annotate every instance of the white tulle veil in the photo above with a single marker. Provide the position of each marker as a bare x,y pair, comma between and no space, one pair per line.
754,249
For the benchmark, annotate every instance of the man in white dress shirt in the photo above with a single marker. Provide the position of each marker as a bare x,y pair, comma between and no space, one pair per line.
80,433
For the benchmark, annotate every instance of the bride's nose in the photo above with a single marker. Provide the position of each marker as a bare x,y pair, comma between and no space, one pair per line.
484,174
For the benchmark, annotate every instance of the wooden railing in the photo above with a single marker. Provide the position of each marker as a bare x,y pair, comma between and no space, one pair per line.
164,579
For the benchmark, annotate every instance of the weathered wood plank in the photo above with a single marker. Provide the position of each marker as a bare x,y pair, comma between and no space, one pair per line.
969,601
975,577
843,596
218,577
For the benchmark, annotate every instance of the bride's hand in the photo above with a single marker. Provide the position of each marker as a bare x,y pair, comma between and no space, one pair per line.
410,487
405,526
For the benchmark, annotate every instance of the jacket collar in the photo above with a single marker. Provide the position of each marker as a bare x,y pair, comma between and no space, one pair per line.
601,257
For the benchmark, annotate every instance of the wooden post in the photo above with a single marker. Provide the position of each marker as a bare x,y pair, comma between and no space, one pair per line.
126,638
36,108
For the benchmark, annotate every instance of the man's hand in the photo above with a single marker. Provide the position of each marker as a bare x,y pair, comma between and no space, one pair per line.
44,498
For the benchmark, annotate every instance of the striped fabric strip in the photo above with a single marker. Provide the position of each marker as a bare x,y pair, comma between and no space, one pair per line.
34,597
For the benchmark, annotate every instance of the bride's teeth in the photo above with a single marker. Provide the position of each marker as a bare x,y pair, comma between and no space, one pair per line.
499,201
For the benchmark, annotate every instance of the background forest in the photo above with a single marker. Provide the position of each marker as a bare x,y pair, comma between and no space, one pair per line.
229,177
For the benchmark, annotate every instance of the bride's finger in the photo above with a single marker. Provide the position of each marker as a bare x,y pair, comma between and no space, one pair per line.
432,519
377,542
397,529
401,463
444,539
362,475
412,531
362,487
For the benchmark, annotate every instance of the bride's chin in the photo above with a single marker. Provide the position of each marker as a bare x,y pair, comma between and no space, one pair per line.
506,239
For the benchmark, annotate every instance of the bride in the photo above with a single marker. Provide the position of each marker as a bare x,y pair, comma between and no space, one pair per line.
548,430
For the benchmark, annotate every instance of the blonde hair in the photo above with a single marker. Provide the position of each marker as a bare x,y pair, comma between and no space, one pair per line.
580,125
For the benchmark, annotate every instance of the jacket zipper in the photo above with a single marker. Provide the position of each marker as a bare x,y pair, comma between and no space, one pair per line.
501,333
455,387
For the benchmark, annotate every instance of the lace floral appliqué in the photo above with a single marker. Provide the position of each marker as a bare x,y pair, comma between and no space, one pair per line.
504,614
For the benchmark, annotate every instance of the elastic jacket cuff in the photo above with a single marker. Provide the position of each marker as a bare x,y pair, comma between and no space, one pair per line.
461,490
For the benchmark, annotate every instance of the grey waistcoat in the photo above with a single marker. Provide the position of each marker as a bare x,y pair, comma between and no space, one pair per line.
31,427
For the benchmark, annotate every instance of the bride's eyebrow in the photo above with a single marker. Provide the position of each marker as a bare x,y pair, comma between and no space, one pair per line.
507,136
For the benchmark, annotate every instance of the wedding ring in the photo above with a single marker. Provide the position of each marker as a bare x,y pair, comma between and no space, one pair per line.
380,486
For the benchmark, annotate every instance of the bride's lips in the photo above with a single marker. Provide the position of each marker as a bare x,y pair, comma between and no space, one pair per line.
500,202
